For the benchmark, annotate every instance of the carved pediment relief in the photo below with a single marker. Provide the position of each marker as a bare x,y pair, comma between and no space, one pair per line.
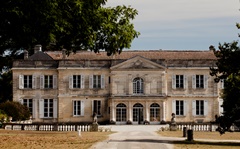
138,62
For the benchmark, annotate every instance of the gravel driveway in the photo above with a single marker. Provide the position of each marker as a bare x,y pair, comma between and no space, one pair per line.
134,137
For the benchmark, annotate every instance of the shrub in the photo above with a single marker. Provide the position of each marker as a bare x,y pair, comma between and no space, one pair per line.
16,110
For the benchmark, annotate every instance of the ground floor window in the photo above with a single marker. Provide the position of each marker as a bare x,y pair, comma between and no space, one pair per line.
121,113
138,113
48,108
154,112
78,108
97,107
199,107
179,107
29,103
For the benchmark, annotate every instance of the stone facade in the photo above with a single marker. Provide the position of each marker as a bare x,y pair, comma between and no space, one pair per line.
134,87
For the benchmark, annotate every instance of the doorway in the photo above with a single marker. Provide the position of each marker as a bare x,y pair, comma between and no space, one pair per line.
138,113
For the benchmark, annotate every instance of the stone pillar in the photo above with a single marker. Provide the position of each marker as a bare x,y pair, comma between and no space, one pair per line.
163,111
113,112
130,111
147,112
130,85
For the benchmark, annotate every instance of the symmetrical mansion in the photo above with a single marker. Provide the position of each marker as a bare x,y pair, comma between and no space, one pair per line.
131,87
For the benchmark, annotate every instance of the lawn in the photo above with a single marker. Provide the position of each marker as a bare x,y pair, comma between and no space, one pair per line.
204,144
13,139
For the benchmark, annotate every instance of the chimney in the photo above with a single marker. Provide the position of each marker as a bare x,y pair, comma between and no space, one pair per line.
37,48
25,54
63,53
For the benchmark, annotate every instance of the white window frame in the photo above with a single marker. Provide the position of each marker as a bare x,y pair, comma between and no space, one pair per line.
175,106
29,103
78,108
79,81
97,81
202,111
46,109
138,85
47,83
179,81
23,85
97,107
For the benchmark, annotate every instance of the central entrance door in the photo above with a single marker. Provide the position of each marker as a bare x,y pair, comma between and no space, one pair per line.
138,113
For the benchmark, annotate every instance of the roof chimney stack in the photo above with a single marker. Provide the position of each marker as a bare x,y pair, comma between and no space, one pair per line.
25,54
37,48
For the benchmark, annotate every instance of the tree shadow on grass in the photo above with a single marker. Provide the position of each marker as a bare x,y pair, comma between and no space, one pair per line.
221,143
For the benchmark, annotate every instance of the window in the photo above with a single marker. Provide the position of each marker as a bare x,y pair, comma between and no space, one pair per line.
179,107
179,81
76,81
97,107
138,86
199,107
199,81
48,81
154,112
78,108
28,103
96,81
48,108
121,112
27,81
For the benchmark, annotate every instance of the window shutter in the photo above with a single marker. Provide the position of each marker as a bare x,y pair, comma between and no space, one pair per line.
185,107
42,82
185,81
174,106
54,81
91,81
34,108
55,108
82,108
205,107
222,84
194,81
194,107
205,81
102,81
82,81
41,108
220,103
174,81
70,82
34,82
21,82
21,101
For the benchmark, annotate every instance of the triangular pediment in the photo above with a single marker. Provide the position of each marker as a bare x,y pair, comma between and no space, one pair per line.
138,62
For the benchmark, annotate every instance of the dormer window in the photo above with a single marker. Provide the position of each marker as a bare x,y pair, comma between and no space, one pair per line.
138,86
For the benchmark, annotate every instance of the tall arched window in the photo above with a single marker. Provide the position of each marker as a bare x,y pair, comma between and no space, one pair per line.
121,112
138,86
154,112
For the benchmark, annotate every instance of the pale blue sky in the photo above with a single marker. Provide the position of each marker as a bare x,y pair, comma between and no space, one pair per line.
183,24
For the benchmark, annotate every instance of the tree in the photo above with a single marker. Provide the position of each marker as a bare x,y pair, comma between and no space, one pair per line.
6,86
65,24
228,70
16,110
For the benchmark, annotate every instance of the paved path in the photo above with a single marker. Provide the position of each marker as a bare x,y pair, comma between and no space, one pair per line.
134,137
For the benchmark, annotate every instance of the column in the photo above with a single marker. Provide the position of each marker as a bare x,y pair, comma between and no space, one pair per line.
163,111
113,112
147,112
130,111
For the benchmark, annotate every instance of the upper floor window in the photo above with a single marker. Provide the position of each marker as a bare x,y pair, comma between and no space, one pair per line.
76,81
96,81
27,81
48,81
200,81
179,81
138,86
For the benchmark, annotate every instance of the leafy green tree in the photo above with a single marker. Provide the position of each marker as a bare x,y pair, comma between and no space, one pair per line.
65,24
6,86
228,70
16,110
